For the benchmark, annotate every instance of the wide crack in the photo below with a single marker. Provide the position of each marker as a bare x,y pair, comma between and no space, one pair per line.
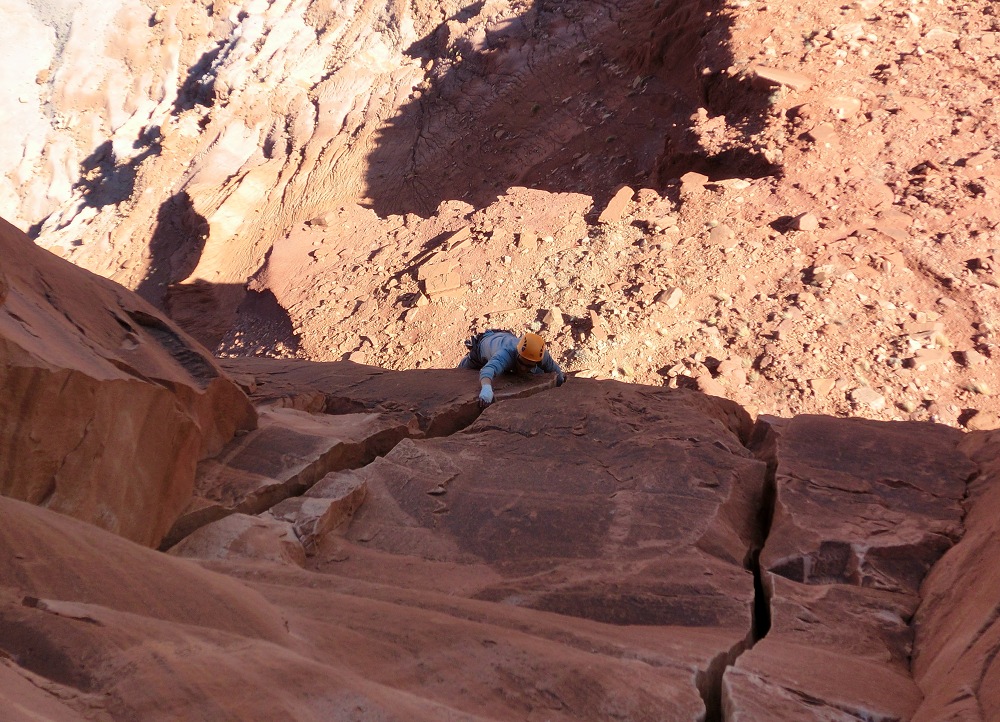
709,681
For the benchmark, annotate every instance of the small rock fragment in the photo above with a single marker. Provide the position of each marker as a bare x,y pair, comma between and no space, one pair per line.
867,396
733,371
983,421
821,387
979,387
724,236
923,357
597,329
708,385
670,297
692,181
553,318
615,209
805,222
823,134
444,284
663,223
844,107
460,238
971,357
764,77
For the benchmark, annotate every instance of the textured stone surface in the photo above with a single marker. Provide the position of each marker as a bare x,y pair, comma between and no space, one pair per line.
862,511
864,503
581,553
834,651
766,77
289,452
955,660
240,536
598,571
106,407
578,512
615,208
433,402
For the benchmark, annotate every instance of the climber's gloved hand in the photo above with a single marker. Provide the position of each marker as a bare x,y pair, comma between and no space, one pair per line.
560,378
485,396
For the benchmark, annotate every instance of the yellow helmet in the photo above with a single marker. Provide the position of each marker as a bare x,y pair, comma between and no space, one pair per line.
531,347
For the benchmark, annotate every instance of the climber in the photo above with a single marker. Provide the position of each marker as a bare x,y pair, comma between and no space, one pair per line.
496,352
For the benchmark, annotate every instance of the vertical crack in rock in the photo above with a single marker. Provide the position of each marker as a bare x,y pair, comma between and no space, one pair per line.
762,594
709,681
766,452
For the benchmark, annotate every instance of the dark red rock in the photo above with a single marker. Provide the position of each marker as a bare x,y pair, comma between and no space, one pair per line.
863,510
955,659
862,502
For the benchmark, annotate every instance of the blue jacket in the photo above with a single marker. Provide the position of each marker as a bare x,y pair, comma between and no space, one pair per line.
499,352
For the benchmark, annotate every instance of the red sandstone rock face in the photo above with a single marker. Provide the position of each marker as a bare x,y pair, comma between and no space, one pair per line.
862,512
576,553
106,407
957,630
808,225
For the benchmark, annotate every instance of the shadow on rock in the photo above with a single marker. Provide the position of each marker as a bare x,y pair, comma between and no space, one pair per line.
580,97
174,248
104,182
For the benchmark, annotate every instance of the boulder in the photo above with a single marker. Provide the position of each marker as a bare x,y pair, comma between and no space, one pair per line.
240,536
107,407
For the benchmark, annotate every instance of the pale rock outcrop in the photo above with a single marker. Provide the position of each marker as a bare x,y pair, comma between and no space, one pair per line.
240,536
106,407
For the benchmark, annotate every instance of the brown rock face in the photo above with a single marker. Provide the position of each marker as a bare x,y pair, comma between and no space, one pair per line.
863,510
106,408
957,628
594,551
864,503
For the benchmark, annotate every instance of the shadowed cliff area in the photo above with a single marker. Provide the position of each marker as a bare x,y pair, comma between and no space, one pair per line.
568,99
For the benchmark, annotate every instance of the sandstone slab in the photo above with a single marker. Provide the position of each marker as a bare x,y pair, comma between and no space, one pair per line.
47,556
864,503
582,514
833,651
180,639
957,629
106,406
432,402
771,77
862,511
289,452
616,207
327,505
240,536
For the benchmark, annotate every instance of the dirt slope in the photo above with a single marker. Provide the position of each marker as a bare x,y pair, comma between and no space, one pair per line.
841,259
